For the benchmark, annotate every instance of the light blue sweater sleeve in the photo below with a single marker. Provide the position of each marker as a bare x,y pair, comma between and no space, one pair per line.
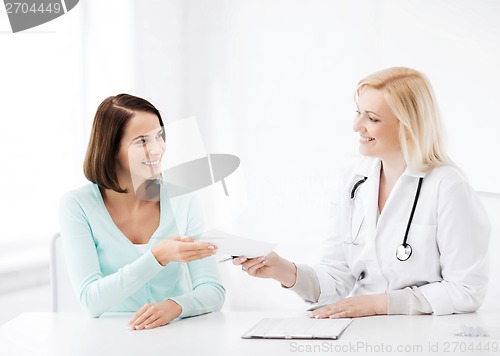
207,294
108,272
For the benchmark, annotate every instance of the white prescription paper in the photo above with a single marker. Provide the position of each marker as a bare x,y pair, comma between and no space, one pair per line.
234,245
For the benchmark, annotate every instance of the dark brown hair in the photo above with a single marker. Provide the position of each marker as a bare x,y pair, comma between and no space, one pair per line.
110,120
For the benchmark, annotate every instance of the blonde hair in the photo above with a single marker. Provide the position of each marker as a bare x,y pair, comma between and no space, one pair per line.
411,99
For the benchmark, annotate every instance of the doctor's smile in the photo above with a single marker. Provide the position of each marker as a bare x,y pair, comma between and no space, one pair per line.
366,139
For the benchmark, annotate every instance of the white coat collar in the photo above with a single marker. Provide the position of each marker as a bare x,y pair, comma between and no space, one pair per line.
370,167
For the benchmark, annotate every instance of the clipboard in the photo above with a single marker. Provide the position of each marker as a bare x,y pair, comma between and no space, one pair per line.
303,328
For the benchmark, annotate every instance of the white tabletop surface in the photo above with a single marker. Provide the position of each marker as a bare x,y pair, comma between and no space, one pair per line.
76,334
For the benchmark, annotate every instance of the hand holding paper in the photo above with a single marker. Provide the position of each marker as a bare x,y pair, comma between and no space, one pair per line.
268,265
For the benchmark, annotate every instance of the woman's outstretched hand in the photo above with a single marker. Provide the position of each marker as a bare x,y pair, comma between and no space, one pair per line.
181,249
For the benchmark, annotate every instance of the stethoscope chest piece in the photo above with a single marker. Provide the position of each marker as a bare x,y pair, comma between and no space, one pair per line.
403,252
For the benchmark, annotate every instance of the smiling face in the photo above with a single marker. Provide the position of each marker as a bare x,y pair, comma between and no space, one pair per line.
377,126
141,149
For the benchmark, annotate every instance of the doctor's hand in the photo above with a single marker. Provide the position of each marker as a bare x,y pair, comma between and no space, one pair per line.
153,315
271,266
353,307
181,249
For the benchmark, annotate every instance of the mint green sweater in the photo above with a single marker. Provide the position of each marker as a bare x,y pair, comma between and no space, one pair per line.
109,273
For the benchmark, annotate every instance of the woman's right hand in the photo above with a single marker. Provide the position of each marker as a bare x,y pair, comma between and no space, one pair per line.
181,249
271,266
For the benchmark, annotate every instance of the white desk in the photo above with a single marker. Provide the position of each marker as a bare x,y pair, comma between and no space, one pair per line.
74,334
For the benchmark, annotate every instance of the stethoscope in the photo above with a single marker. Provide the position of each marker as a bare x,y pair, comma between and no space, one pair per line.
403,252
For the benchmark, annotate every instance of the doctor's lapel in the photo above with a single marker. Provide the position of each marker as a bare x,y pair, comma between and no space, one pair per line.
370,275
370,197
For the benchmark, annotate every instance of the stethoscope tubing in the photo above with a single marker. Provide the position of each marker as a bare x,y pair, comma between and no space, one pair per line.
356,185
405,246
412,211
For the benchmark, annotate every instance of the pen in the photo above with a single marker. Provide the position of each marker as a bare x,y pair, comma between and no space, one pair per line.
228,259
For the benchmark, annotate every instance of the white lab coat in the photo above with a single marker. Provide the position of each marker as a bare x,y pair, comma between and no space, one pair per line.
449,236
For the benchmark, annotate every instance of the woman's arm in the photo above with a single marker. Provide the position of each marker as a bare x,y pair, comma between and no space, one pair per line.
96,292
462,237
332,279
329,281
272,266
207,294
409,301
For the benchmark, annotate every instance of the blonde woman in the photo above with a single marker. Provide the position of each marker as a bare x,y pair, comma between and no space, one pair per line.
409,234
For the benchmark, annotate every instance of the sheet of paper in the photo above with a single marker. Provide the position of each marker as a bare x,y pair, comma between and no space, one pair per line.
234,245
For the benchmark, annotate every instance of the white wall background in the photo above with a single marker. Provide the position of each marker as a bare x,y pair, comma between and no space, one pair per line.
269,80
